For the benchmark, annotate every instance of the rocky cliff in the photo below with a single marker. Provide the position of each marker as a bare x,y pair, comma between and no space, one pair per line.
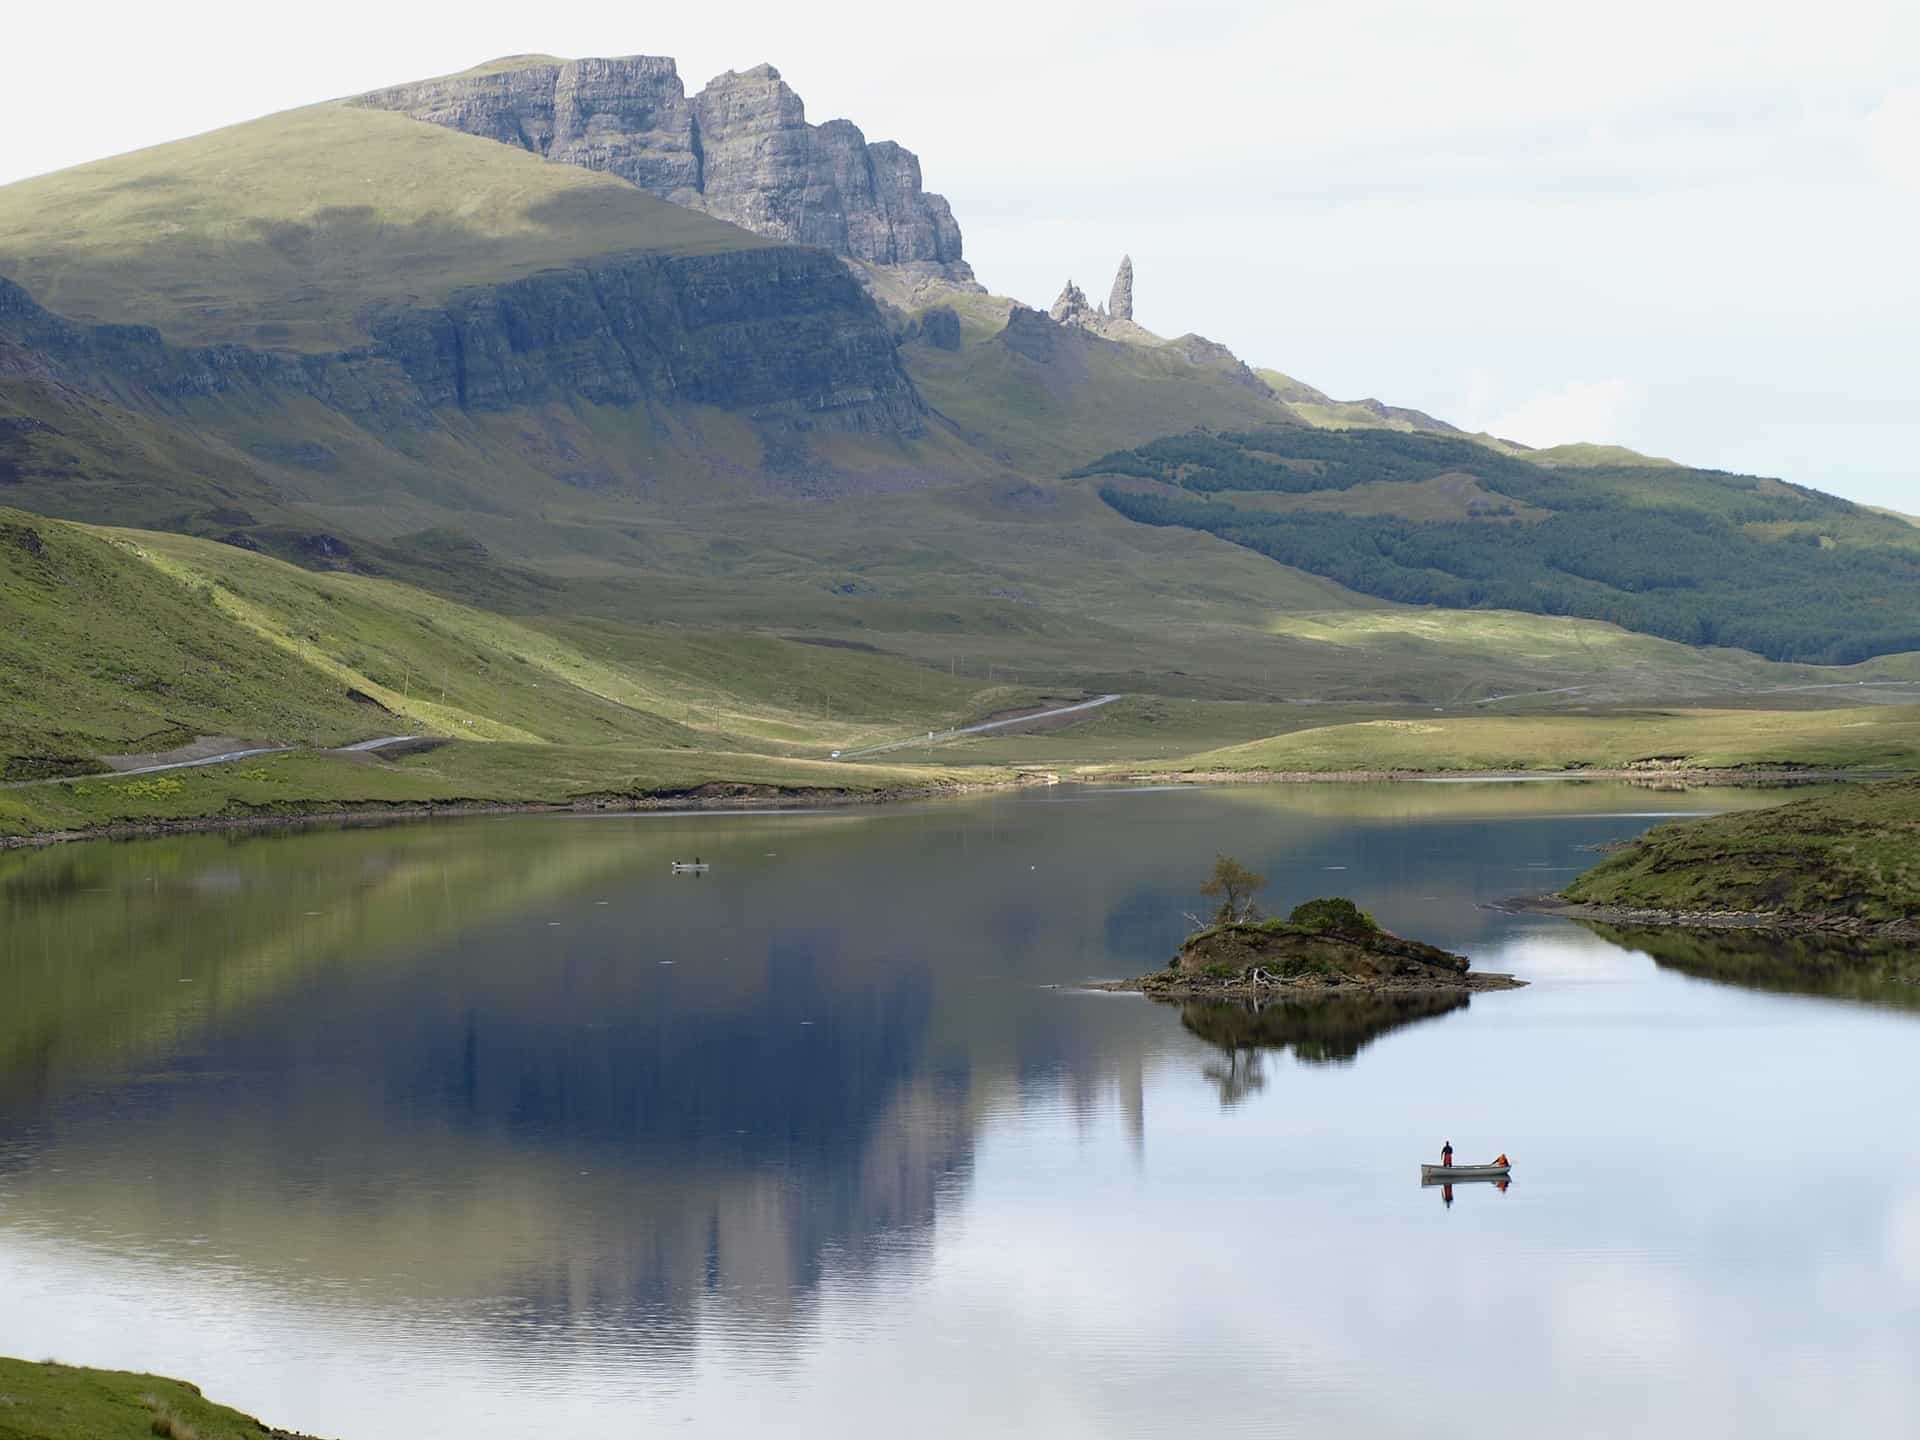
783,334
741,150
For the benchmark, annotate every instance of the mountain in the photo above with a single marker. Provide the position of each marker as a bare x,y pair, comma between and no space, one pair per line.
1697,556
334,330
552,354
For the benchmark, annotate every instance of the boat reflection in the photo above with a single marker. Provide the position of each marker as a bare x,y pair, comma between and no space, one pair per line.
1499,1182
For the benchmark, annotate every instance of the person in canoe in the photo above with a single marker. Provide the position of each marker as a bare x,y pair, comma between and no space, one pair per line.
1446,1154
1501,1160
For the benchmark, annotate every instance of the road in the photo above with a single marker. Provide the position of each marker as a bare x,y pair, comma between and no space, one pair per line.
226,757
941,736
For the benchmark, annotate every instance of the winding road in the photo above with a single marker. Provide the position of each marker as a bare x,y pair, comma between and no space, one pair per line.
940,736
225,757
381,742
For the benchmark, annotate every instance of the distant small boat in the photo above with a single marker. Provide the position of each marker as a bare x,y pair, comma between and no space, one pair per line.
689,867
1454,1174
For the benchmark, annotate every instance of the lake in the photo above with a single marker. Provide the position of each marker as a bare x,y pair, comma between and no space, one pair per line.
495,1127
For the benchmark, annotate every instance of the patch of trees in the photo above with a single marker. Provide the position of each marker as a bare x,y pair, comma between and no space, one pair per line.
1669,570
1298,460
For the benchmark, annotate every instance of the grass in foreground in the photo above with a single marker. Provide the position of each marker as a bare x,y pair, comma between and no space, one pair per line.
1852,853
120,641
1860,738
101,654
46,1401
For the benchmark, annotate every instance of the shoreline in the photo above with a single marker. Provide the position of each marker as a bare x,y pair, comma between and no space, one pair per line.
763,800
1851,927
748,798
1302,989
1695,777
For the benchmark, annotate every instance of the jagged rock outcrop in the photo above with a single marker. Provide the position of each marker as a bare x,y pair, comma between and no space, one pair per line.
781,333
1114,320
1071,308
1120,298
741,150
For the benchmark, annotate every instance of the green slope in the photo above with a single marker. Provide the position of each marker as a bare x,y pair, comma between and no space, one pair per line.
127,641
46,1401
1321,410
100,653
1040,398
1655,743
285,231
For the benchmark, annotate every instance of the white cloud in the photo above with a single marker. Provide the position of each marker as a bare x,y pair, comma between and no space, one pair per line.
1893,137
1579,410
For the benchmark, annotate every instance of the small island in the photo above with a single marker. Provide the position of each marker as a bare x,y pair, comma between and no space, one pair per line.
1326,949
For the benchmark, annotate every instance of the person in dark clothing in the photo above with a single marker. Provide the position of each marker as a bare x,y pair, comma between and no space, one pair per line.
1446,1154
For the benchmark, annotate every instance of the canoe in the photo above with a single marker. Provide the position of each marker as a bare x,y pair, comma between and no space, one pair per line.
689,867
1448,1174
1453,1174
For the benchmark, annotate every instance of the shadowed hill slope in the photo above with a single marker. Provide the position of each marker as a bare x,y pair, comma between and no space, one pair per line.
290,231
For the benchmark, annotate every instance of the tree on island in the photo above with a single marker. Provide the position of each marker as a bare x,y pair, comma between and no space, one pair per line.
1333,912
1234,886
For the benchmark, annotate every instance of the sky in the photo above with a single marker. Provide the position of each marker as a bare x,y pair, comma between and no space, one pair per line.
1686,227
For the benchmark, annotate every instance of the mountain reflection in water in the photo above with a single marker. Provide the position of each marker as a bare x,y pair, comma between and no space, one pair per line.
494,1128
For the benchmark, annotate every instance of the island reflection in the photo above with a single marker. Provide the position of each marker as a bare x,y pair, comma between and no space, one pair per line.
1317,1032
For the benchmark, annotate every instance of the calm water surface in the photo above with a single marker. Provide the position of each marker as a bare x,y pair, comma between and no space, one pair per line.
495,1127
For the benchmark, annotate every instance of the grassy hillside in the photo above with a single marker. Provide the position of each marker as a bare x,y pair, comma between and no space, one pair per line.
1864,738
1696,556
1041,398
46,1401
283,231
100,654
131,641
1855,854
1321,410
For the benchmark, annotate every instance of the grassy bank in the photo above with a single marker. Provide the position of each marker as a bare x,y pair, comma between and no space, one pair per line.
1652,742
1852,854
458,774
46,1401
